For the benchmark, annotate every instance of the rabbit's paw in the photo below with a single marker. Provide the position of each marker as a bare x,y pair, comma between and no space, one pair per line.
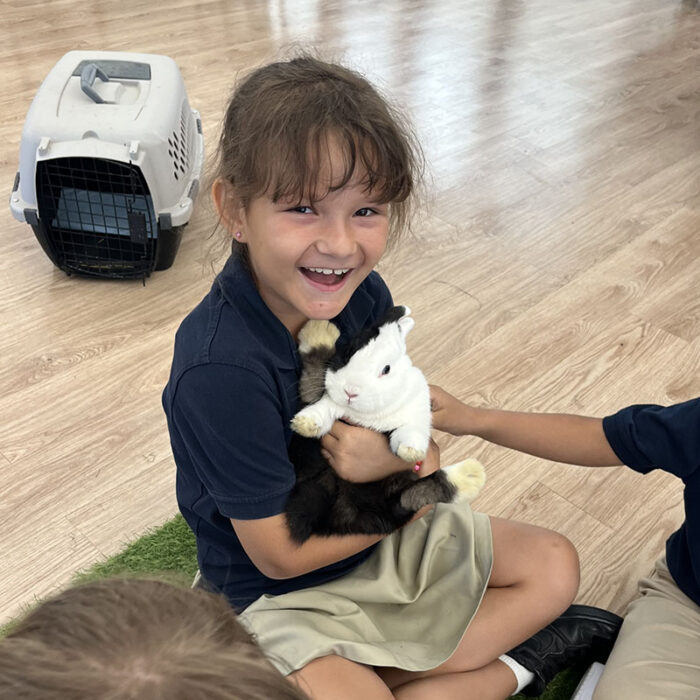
306,425
468,476
410,454
409,444
317,334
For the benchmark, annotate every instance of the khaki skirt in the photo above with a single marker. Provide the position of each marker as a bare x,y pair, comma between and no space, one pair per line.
407,606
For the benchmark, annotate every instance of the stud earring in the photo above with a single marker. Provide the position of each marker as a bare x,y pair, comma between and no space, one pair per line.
238,235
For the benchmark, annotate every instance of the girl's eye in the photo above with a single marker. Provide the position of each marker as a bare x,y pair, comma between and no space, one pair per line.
302,209
365,211
386,370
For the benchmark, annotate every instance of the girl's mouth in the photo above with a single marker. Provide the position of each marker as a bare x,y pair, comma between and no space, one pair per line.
328,279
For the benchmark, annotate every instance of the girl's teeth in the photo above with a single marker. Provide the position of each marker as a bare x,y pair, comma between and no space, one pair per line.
328,271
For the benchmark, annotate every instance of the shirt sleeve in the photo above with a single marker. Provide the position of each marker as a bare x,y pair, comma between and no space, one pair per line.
231,424
647,437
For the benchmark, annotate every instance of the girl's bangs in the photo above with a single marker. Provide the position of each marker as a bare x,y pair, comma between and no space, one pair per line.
307,169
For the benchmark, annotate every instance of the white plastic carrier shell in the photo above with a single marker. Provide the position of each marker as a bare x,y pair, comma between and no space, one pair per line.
111,149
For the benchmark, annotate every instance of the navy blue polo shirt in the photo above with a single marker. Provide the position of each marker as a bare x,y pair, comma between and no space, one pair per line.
232,391
647,437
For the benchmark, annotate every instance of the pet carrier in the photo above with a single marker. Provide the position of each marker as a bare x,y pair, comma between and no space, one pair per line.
109,166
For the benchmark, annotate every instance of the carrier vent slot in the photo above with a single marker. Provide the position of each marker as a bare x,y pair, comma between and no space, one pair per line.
179,143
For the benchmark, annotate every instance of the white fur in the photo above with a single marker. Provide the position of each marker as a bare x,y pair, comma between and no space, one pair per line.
397,402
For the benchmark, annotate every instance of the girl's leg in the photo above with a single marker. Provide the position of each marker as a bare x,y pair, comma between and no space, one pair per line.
488,683
534,579
335,678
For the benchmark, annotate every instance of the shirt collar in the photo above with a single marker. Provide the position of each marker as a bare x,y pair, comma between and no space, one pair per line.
239,290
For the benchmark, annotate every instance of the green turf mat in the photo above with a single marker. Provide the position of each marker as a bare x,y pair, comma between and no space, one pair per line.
169,550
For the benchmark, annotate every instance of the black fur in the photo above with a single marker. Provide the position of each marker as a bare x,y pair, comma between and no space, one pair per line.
346,350
311,386
322,503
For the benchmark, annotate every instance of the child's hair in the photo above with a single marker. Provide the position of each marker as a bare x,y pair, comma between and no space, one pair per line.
137,639
282,120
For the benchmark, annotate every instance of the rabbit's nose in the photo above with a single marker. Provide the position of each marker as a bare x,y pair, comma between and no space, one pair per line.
351,393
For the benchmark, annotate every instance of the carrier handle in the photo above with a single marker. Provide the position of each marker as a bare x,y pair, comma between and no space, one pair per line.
87,79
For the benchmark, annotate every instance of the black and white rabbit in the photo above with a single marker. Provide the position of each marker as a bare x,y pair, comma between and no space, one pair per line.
371,382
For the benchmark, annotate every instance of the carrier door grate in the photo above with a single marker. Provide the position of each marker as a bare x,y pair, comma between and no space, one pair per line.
98,215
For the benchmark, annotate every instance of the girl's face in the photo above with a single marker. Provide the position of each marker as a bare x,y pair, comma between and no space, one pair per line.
309,259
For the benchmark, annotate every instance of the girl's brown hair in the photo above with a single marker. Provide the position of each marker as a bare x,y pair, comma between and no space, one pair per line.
138,640
283,119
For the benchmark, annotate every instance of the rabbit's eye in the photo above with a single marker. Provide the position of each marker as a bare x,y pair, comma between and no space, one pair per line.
386,370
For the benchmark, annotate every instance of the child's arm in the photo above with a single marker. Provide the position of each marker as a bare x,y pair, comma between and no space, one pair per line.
268,544
559,437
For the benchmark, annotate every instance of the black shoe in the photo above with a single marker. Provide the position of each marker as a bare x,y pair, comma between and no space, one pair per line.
580,634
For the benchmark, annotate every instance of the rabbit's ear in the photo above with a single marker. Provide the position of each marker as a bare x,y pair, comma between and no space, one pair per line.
405,324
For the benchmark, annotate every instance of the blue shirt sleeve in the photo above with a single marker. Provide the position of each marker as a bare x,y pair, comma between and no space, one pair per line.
231,424
647,437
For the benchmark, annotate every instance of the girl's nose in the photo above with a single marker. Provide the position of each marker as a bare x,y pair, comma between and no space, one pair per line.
337,239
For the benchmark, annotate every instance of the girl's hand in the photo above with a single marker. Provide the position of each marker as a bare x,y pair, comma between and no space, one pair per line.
451,415
360,454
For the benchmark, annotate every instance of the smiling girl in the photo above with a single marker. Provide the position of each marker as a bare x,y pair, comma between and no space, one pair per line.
314,179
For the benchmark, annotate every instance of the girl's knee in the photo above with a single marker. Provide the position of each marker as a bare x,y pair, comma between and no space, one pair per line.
542,560
559,569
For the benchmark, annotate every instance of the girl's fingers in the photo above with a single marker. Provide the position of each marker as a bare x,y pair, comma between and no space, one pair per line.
338,429
329,441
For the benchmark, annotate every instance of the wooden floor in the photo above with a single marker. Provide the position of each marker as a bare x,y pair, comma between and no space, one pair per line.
555,263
